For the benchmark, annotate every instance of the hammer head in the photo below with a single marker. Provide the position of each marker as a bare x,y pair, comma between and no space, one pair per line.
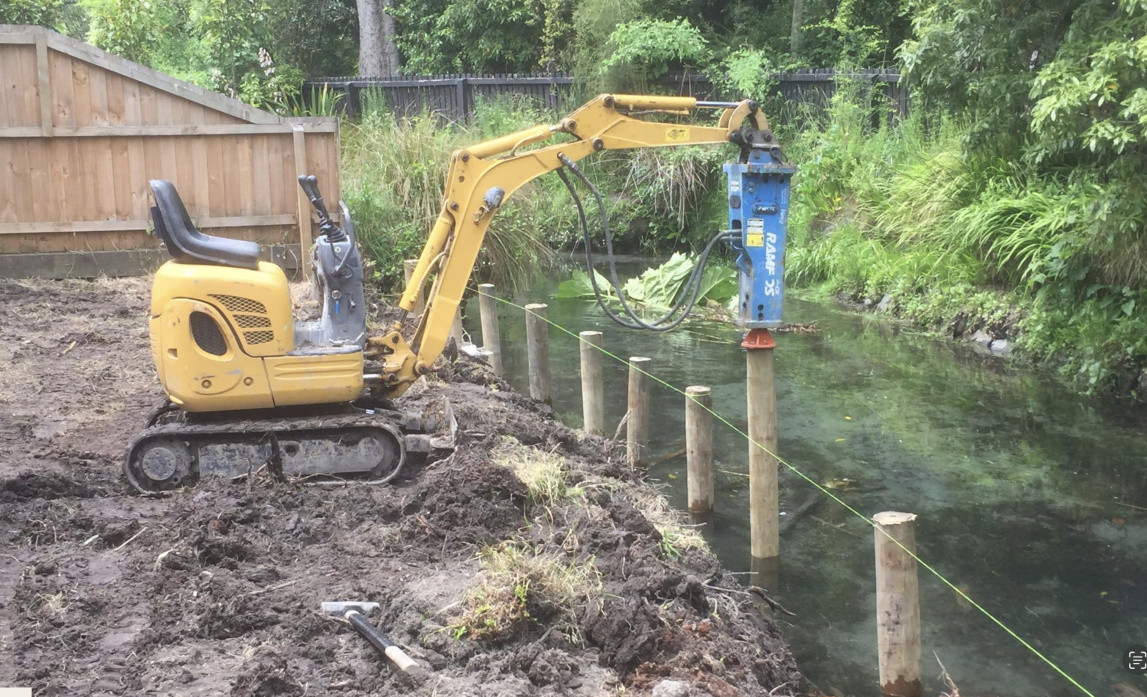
340,608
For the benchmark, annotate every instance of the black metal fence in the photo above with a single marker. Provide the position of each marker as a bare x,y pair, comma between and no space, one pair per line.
455,96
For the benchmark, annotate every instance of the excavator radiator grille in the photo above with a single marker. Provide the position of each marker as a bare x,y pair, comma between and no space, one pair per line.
236,304
249,321
206,334
259,337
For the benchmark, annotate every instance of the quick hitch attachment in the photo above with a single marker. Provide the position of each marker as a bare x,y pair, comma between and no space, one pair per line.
759,211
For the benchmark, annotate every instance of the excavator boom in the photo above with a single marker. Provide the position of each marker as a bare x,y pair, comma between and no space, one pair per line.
481,177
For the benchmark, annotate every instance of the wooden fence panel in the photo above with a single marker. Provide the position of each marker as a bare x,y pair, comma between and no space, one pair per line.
82,132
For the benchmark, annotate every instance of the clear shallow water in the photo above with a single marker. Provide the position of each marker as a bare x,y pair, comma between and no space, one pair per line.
1017,482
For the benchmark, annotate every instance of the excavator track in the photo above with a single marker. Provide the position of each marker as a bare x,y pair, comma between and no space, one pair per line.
173,452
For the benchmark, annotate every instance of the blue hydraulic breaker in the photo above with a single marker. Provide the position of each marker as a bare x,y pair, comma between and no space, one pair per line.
759,211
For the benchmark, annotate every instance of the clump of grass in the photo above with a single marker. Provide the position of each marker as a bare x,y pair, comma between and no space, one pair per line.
52,605
544,473
393,176
676,536
518,585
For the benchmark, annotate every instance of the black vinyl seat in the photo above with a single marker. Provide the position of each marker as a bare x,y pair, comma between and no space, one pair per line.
189,245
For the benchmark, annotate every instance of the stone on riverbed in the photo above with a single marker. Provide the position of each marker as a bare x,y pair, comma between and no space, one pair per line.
1000,347
982,338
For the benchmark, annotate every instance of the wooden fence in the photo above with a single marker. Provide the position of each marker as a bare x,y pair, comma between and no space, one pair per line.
455,96
81,133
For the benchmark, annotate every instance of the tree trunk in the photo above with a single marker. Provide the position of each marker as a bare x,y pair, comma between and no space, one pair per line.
377,54
795,35
390,62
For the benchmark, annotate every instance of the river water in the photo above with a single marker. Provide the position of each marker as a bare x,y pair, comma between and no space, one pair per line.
1031,499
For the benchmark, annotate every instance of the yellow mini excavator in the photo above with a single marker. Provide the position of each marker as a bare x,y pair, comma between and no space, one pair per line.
248,387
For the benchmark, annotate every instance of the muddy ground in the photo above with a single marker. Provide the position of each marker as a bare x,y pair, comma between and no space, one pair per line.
216,590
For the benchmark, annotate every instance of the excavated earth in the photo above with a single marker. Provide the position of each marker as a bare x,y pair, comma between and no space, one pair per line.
216,590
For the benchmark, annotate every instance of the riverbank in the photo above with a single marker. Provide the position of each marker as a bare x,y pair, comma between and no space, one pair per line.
531,561
999,324
973,242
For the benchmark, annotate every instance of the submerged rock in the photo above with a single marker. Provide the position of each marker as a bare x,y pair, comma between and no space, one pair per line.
982,338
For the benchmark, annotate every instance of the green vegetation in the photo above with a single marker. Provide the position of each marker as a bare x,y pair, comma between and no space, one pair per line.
393,178
1013,200
518,585
257,50
544,473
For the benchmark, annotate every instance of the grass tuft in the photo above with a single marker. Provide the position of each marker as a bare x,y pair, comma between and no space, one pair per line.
517,585
676,536
544,473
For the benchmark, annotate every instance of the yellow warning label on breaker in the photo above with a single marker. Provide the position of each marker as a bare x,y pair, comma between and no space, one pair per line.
676,135
755,234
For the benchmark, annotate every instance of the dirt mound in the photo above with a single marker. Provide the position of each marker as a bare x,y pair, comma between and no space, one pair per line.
216,590
27,486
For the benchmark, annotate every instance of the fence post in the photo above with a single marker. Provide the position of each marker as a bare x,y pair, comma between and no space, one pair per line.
456,331
303,204
408,267
699,448
538,352
764,503
488,307
460,88
897,604
354,101
592,388
637,426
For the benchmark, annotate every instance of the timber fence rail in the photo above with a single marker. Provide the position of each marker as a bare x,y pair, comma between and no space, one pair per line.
457,96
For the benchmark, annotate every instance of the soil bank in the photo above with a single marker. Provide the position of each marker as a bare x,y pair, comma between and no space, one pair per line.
216,590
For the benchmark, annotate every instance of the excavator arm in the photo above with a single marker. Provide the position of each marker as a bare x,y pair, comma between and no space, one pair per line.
483,176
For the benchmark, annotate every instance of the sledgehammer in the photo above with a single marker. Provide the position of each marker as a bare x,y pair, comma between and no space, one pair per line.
354,612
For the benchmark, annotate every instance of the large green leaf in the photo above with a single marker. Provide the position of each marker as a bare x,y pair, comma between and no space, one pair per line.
718,283
658,287
580,287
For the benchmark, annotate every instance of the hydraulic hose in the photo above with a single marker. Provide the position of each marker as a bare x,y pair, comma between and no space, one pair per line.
689,292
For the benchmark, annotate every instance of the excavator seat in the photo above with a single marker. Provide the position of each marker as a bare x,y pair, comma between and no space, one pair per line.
187,244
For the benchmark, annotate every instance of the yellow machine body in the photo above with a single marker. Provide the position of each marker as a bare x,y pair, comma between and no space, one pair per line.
223,339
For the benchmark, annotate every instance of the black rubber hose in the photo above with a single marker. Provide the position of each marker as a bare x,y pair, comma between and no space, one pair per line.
690,290
636,322
689,293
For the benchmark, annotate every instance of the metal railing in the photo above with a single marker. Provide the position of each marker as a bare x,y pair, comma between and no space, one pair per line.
455,96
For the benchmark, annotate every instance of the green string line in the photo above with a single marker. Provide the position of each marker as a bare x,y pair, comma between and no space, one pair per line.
822,489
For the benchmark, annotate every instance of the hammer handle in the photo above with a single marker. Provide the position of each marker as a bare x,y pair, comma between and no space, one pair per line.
369,632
